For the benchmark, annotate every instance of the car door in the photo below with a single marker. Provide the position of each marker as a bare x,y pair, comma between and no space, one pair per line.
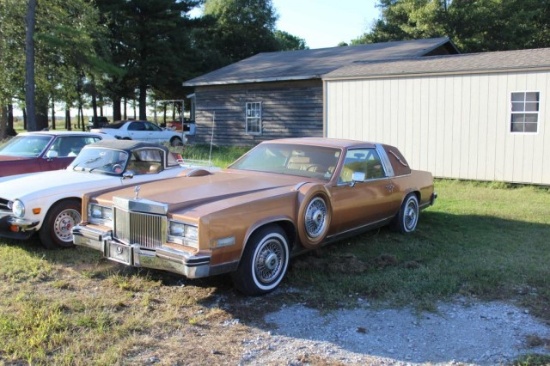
155,133
364,193
138,131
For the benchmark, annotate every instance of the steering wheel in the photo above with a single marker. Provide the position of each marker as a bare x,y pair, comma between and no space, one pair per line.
117,168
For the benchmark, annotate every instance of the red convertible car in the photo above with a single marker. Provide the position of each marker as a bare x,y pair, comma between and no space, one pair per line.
31,152
281,198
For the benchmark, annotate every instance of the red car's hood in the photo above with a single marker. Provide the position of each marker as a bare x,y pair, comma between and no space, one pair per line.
12,158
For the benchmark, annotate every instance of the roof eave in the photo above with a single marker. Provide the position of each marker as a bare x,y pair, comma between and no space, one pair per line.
251,81
437,73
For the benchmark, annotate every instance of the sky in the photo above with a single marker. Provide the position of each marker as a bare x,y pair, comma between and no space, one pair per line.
325,23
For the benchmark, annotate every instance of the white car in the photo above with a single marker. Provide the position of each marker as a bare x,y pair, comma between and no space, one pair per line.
50,202
142,131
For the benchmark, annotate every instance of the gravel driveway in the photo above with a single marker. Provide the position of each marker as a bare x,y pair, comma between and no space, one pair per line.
457,333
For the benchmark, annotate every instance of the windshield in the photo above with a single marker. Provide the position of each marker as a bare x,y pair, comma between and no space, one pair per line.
301,160
25,146
100,160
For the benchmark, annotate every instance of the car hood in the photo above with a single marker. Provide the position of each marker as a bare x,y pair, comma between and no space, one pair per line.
184,192
55,180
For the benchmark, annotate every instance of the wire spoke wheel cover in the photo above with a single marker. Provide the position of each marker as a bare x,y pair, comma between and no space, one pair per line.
316,218
264,262
270,260
410,216
407,219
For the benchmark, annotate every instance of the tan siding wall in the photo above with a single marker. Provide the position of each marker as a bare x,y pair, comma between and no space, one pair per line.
456,126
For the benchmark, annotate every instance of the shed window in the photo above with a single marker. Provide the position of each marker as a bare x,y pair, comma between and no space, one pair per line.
525,111
254,118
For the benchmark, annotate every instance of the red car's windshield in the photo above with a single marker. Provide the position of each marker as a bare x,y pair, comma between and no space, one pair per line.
25,146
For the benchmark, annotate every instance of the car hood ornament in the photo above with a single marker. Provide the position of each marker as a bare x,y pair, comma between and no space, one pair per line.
136,192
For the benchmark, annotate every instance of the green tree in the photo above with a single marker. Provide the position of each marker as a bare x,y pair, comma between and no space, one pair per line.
150,42
289,42
12,64
240,28
474,26
64,38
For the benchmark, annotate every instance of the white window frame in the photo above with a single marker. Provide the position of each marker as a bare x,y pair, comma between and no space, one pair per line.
253,117
524,112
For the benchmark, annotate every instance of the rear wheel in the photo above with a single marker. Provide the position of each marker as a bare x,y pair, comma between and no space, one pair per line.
407,218
264,262
176,141
56,230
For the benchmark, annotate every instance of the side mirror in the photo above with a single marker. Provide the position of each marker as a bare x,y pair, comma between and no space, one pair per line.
358,177
52,154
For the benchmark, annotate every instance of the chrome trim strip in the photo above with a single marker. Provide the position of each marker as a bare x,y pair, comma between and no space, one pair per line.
388,168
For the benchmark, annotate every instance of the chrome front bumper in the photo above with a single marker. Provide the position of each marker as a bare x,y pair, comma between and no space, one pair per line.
16,228
176,261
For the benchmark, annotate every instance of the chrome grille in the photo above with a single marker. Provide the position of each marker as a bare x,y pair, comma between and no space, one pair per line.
4,204
146,230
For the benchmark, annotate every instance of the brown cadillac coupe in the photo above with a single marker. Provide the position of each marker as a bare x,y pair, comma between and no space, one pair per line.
281,198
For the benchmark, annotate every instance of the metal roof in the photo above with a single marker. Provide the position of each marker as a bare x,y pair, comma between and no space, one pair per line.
501,61
313,64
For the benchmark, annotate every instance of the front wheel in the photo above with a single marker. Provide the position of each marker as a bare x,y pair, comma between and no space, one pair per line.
264,262
407,218
56,230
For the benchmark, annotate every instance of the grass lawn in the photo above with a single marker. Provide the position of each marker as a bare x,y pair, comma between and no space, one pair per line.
67,307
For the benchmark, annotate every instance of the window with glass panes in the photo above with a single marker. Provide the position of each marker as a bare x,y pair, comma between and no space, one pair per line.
525,111
254,118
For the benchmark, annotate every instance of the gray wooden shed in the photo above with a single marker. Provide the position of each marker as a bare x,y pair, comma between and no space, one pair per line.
280,94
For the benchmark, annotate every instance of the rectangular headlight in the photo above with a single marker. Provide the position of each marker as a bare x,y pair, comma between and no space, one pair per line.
185,234
98,214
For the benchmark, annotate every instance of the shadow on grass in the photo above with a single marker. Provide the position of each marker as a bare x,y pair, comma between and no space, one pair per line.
479,256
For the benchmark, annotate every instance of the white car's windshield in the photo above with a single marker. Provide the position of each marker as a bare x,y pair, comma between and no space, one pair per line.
100,160
301,160
26,146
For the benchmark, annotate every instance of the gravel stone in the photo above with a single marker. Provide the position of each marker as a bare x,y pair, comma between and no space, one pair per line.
458,333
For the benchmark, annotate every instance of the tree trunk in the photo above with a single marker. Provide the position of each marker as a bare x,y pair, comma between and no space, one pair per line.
68,119
3,122
41,112
53,115
143,101
117,115
10,119
29,67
